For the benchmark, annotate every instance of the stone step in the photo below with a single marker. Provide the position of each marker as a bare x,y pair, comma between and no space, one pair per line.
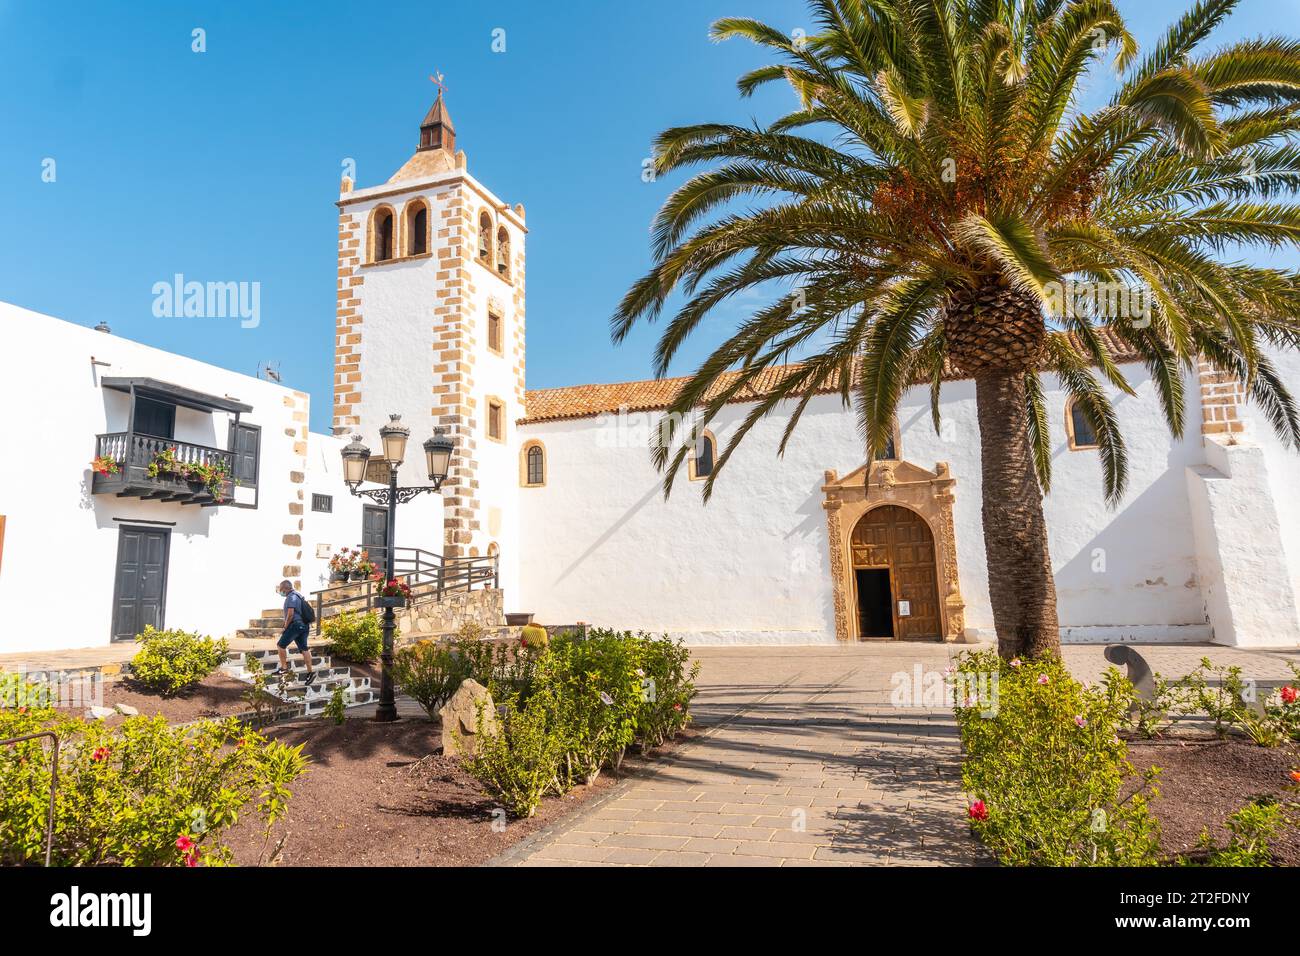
270,660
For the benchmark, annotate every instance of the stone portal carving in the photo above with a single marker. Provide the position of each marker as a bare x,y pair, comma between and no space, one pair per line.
929,494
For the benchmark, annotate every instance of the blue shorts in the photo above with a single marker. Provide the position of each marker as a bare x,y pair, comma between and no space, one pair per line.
295,633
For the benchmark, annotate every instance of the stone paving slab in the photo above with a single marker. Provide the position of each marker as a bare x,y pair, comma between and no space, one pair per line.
806,761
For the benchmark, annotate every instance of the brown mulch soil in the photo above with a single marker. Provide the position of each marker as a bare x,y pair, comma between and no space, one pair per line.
217,695
1203,781
384,795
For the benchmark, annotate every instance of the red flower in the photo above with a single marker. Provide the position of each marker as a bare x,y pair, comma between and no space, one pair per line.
1295,775
978,811
100,754
184,843
1289,695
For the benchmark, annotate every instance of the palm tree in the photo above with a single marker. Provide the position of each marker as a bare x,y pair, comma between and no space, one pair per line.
927,207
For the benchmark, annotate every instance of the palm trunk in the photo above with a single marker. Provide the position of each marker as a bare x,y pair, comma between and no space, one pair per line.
1021,587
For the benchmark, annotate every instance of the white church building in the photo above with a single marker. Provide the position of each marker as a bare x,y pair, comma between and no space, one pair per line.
559,485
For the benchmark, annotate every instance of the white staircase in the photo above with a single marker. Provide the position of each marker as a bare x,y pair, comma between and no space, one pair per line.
298,699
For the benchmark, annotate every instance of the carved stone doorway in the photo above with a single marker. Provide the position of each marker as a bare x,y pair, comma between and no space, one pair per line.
901,521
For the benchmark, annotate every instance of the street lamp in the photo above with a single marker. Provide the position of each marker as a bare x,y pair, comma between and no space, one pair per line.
356,462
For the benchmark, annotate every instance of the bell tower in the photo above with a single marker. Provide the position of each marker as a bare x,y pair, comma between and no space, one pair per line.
430,325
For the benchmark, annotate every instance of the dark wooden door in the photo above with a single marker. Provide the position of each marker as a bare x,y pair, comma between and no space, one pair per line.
374,534
245,442
140,589
900,540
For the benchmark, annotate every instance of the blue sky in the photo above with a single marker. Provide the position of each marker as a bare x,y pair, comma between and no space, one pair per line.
224,165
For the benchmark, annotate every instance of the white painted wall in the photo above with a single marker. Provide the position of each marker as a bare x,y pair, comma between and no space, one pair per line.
224,563
1282,464
1247,593
599,543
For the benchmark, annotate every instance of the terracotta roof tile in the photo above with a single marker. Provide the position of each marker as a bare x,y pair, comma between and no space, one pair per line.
426,162
585,401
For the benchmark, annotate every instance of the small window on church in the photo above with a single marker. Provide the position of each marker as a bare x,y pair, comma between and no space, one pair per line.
503,253
891,446
534,471
496,419
494,333
383,236
485,238
1081,433
417,239
703,455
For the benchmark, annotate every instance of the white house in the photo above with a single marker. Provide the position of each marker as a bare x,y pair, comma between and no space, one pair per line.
558,483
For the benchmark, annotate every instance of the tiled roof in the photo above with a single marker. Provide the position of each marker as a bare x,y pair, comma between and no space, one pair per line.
584,401
427,162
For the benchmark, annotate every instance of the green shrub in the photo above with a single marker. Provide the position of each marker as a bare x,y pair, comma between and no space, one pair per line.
590,696
355,636
667,679
170,661
140,793
430,673
1250,830
519,764
337,709
1045,767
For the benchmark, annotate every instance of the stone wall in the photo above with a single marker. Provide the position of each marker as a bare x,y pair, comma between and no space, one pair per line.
484,607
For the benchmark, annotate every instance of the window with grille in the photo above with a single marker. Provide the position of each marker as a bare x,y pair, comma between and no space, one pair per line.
323,503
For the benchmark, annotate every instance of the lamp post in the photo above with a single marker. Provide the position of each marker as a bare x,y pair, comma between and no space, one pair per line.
356,460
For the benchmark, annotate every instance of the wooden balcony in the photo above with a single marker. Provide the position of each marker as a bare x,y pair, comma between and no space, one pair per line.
134,453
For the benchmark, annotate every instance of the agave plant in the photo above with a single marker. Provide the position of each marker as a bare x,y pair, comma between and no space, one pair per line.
926,208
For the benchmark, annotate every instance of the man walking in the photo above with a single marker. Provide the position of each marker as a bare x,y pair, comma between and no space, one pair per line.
296,630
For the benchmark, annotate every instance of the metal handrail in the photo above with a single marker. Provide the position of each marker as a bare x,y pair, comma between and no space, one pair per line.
425,581
54,783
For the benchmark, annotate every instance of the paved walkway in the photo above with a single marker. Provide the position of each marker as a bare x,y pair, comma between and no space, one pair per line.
806,761
109,657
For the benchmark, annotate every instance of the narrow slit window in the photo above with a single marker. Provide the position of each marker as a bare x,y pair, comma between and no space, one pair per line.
496,420
1082,434
383,235
702,459
419,240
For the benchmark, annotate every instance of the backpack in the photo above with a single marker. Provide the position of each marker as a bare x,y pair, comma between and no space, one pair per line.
307,613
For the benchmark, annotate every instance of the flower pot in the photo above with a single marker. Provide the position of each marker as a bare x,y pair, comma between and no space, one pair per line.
390,602
338,577
359,575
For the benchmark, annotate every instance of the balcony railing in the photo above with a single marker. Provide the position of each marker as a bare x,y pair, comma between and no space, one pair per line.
134,453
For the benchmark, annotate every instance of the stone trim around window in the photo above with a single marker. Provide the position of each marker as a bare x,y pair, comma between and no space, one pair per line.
489,402
523,464
1069,428
690,457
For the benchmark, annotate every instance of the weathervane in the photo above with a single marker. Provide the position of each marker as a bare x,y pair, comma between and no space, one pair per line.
436,80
